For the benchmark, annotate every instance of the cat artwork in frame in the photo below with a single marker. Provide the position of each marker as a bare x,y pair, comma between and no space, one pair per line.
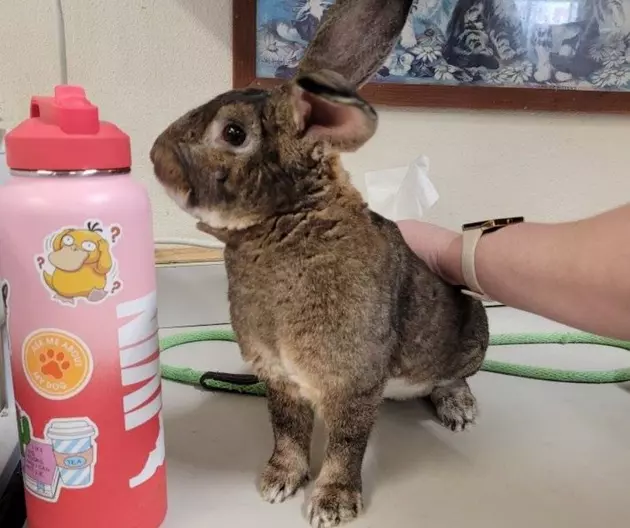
538,55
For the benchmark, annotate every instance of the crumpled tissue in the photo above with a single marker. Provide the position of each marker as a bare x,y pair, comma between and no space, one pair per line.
401,193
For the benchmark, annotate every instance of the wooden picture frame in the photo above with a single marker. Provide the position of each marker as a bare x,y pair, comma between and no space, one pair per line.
429,95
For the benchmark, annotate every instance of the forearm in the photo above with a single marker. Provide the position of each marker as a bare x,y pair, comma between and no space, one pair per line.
576,273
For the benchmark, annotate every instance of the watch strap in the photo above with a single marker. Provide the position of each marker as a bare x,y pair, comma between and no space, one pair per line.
470,238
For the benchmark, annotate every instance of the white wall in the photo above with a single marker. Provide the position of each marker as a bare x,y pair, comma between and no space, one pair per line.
145,62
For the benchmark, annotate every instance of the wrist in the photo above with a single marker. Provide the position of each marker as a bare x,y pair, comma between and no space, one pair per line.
472,236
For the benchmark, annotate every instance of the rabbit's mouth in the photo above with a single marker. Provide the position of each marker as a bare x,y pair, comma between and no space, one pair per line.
213,219
181,198
218,219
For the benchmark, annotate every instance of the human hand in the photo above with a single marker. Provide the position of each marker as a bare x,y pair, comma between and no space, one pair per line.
440,248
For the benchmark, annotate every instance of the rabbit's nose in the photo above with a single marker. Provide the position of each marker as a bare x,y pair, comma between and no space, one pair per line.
152,152
158,146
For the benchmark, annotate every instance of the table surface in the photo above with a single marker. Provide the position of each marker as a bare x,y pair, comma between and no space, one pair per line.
543,454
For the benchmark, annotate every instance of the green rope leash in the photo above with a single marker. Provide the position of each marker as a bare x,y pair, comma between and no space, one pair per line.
245,384
214,381
550,374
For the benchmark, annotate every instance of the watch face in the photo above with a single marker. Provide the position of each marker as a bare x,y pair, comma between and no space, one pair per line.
496,223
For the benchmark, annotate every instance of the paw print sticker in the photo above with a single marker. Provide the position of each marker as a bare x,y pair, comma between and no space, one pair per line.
57,364
54,365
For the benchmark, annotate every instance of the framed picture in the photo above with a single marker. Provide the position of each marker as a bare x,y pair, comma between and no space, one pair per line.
564,55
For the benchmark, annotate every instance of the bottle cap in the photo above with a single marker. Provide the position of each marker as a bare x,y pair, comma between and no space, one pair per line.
64,133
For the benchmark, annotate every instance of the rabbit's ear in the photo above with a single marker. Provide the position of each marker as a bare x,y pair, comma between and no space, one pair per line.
355,38
326,108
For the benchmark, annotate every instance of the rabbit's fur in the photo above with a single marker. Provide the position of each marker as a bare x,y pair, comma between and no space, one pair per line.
327,301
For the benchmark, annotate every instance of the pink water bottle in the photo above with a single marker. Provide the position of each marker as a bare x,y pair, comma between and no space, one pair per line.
76,261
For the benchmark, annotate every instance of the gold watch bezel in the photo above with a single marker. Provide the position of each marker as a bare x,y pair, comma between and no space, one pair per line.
493,224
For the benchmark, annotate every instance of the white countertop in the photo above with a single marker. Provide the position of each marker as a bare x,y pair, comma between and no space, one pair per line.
542,455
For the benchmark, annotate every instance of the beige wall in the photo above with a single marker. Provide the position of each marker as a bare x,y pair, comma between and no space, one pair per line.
147,61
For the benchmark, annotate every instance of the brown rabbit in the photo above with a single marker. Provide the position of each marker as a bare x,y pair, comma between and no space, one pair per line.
327,301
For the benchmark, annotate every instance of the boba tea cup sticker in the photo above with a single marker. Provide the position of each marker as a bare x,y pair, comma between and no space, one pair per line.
78,264
65,458
57,364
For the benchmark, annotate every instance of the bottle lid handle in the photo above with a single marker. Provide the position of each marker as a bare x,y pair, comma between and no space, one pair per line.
69,109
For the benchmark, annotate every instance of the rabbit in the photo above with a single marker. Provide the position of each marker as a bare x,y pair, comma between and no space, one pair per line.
328,303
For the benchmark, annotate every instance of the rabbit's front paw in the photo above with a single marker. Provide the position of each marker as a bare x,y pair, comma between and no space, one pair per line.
332,505
279,482
456,406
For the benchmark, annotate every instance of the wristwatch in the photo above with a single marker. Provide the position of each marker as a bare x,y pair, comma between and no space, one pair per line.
471,233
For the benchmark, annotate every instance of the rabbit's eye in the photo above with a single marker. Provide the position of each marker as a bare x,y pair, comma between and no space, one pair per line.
234,135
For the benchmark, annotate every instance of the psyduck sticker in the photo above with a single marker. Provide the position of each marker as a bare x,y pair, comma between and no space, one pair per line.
78,264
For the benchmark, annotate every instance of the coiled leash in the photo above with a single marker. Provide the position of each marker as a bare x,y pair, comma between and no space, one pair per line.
250,385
